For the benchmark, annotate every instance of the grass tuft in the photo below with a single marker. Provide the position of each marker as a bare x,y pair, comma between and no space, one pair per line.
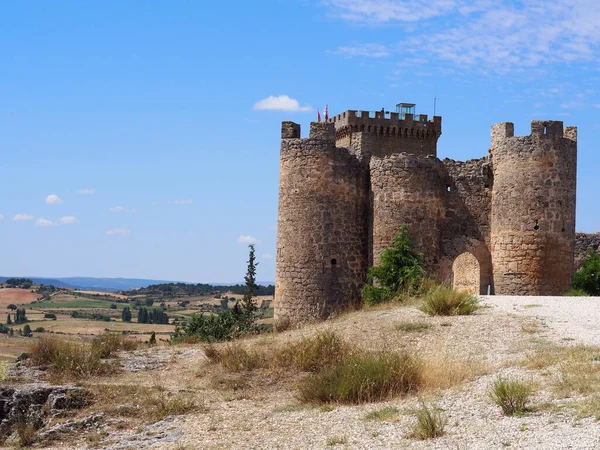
413,326
431,422
107,344
510,395
576,293
387,414
363,378
336,440
445,301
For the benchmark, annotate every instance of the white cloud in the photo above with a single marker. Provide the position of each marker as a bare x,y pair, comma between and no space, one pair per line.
67,220
44,223
183,202
21,217
363,50
118,209
87,191
280,103
54,199
487,34
248,240
118,232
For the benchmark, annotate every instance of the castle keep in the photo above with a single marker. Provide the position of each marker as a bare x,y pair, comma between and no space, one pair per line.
502,224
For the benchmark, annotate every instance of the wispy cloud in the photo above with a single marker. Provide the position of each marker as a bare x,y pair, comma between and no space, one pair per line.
505,36
183,202
120,209
87,191
248,240
363,50
54,199
20,217
118,232
44,223
67,220
280,103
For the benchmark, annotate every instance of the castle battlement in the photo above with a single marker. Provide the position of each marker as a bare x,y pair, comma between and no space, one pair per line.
387,124
541,128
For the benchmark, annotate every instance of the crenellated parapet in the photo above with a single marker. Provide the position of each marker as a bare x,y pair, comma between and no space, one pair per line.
400,131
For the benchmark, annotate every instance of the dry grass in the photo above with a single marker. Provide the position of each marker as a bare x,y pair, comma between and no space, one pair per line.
442,371
363,378
511,395
107,344
445,301
430,424
148,403
69,359
578,367
387,414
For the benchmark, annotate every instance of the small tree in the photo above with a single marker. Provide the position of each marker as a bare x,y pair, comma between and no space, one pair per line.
20,316
12,307
152,340
126,315
400,270
8,320
27,330
588,277
248,300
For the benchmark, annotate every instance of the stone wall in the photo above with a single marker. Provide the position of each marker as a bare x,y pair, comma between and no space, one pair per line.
583,243
407,189
322,227
533,209
468,213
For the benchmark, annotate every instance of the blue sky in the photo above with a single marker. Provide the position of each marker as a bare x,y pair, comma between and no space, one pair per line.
134,143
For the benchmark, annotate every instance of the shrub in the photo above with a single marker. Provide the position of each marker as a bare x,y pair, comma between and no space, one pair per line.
384,414
363,378
445,301
50,316
27,331
430,423
400,271
576,293
512,396
224,326
39,330
588,277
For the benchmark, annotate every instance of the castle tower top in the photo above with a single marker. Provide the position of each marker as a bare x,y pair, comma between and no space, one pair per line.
390,132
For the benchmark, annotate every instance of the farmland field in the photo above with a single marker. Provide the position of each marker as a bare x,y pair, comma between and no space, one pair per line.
16,297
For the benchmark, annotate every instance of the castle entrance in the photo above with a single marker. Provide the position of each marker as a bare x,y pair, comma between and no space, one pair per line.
466,273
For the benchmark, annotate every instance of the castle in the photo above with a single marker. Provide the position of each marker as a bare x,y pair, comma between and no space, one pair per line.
502,224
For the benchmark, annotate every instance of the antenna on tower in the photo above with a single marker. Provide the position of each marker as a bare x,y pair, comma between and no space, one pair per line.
434,102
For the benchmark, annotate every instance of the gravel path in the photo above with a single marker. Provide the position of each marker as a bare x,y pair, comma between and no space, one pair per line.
566,318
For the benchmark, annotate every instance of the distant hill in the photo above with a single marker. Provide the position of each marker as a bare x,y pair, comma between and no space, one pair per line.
108,284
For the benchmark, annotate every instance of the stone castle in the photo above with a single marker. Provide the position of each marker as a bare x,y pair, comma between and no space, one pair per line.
502,224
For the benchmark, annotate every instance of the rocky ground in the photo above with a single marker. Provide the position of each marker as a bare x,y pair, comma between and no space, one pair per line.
465,355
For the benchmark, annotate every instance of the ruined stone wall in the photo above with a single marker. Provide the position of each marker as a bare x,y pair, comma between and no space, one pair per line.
407,189
468,213
583,243
322,227
533,208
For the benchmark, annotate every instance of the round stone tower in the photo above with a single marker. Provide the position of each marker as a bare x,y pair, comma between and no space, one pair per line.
322,225
408,189
533,208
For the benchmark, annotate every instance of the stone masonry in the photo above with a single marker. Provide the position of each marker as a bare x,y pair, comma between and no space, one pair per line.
502,224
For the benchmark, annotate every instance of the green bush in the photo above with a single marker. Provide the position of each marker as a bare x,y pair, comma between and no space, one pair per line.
400,271
588,277
430,423
363,378
445,301
50,316
512,396
576,293
226,325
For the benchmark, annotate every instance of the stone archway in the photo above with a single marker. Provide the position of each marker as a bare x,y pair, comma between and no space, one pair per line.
466,273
